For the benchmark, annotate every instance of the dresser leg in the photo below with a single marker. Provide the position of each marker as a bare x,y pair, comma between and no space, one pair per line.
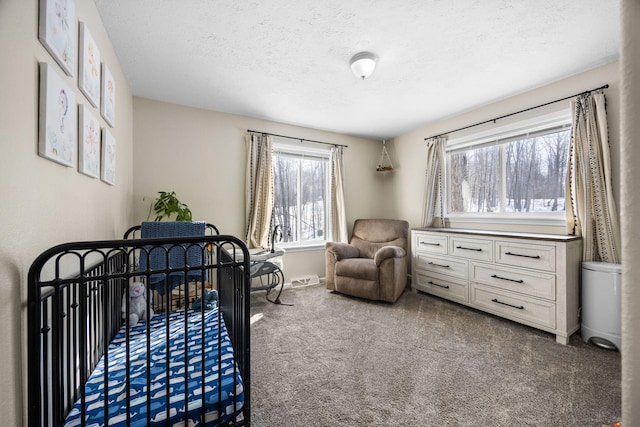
562,340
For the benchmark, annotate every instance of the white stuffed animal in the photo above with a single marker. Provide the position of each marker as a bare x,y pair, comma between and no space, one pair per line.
137,304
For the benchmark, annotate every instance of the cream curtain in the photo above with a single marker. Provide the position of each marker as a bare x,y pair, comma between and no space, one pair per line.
336,193
591,209
433,208
258,190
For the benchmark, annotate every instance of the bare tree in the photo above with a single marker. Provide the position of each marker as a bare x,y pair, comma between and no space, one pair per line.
522,167
474,180
484,180
308,176
459,173
534,167
556,147
285,195
314,190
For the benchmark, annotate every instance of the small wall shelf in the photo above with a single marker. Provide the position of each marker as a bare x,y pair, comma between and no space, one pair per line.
384,165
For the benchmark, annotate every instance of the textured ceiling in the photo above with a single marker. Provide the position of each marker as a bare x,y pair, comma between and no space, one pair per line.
288,61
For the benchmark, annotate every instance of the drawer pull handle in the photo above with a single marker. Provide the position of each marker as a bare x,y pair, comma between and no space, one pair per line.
525,256
469,249
430,244
438,265
505,278
436,284
519,307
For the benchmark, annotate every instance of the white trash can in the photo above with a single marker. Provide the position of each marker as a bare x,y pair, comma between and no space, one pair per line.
601,288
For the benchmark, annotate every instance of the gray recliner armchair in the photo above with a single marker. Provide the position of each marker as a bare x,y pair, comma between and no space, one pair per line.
373,264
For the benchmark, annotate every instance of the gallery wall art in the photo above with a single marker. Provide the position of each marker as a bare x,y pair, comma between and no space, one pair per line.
70,133
89,143
108,157
57,31
89,72
57,122
108,96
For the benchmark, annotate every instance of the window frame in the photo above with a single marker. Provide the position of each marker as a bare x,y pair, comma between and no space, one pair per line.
496,136
301,150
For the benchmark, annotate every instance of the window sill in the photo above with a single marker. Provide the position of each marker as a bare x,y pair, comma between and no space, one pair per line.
537,220
303,248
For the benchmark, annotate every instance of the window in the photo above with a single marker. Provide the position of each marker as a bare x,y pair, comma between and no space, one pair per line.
301,200
516,171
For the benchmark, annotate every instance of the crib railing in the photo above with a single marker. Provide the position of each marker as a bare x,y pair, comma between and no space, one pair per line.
75,296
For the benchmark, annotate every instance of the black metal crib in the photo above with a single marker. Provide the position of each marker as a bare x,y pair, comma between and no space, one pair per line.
185,366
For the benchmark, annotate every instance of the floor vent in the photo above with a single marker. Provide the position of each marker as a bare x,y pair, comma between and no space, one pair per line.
312,279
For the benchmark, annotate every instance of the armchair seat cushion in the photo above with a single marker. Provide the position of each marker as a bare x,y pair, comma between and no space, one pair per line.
361,268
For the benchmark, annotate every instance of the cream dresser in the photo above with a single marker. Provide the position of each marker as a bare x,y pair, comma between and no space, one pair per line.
529,278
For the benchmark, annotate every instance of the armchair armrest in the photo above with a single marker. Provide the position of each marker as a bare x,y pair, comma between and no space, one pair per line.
386,252
342,250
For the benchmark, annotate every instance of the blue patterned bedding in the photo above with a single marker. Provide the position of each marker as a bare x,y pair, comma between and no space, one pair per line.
185,373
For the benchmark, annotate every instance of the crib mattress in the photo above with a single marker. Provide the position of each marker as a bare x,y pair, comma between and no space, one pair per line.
185,358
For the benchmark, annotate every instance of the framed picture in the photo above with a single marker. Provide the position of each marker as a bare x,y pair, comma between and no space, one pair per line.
89,143
57,122
57,31
108,98
108,157
89,73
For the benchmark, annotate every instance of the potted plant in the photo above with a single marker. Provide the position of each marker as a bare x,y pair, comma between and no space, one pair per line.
167,204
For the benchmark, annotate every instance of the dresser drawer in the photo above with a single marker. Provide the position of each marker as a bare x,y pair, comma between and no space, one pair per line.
478,249
444,265
532,283
431,243
540,257
516,307
443,286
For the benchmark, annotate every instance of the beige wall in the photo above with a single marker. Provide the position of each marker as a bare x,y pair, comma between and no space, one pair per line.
630,211
44,203
200,155
407,191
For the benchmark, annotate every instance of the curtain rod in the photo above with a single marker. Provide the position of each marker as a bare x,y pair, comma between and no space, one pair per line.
298,139
521,111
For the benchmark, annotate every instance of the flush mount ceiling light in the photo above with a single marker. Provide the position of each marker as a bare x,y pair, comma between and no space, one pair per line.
363,64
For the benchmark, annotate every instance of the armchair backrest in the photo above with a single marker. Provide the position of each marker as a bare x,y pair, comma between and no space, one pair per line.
369,235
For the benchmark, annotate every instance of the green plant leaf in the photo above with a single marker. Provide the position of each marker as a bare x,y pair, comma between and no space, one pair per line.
168,204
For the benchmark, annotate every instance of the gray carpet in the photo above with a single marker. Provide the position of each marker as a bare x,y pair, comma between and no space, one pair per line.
334,360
